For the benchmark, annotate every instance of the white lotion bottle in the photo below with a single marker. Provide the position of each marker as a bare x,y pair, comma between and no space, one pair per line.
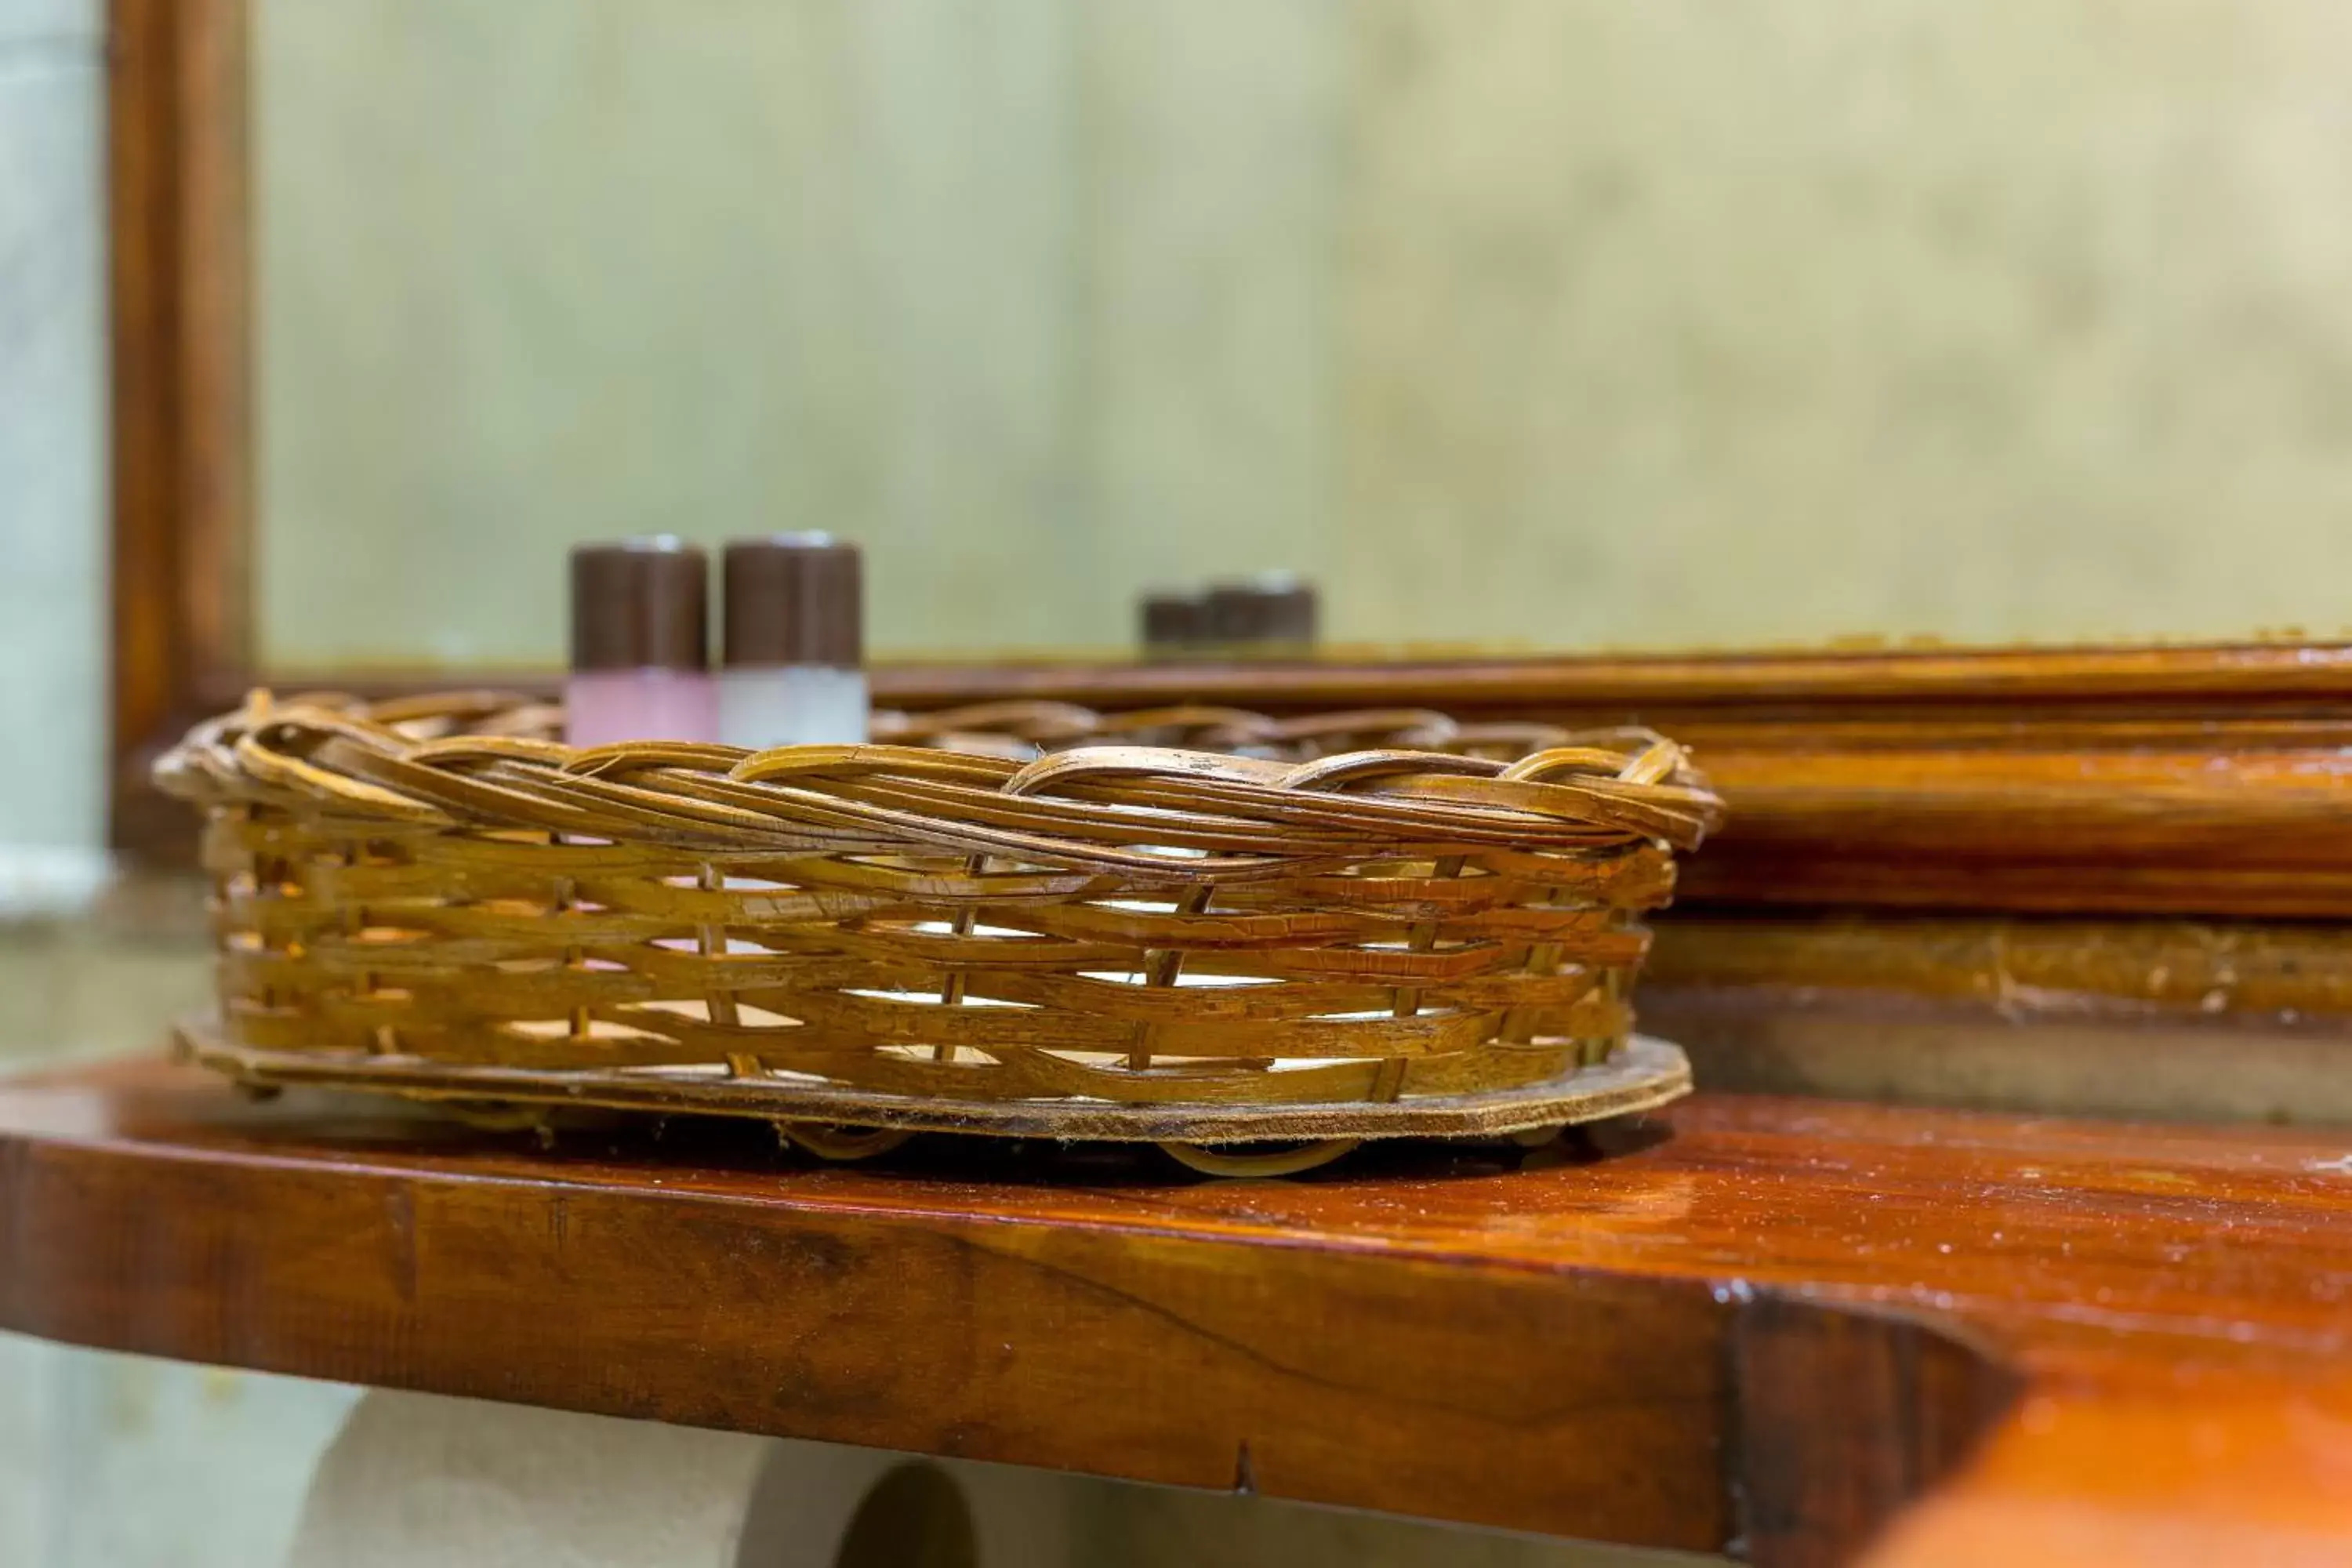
794,667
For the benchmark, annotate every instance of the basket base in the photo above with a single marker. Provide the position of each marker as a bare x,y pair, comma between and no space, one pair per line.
1645,1073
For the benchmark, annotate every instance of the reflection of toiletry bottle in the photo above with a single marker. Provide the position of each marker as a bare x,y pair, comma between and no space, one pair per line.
795,643
1171,624
1268,615
640,663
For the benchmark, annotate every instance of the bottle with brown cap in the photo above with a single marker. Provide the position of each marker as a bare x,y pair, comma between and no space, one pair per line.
1270,616
640,663
794,669
1170,623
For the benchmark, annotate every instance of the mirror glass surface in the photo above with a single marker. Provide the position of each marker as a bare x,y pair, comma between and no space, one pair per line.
1531,325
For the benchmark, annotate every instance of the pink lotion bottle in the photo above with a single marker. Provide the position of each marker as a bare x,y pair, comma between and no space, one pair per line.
640,658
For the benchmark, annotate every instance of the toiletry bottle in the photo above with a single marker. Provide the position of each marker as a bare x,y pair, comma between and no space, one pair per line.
794,672
1270,616
1171,624
640,661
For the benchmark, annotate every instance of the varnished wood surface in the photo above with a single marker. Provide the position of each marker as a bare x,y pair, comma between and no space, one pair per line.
1757,1323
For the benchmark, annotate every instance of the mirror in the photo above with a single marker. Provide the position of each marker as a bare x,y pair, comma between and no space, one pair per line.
1538,325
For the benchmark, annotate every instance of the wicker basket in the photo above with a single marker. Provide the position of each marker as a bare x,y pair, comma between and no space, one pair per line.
1193,926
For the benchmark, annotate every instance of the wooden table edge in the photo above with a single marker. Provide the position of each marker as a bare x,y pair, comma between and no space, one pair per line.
1163,1345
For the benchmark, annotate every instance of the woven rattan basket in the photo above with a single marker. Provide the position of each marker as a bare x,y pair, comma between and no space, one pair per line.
1192,926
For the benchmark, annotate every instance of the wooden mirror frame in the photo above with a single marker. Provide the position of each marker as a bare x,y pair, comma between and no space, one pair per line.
2192,781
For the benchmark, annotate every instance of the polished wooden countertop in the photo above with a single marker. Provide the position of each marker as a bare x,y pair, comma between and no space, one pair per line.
1796,1330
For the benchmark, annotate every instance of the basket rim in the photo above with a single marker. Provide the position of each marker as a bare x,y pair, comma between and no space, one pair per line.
947,782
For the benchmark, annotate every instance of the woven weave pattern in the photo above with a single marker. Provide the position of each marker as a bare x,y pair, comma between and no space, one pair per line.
1186,906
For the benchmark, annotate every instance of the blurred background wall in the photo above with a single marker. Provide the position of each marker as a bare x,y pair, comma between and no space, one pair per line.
1557,323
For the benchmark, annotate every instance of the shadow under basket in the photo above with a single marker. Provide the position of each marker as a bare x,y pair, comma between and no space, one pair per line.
1195,927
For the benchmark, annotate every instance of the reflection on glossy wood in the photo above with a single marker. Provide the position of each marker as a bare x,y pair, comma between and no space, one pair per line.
1755,1322
2203,1020
2018,967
